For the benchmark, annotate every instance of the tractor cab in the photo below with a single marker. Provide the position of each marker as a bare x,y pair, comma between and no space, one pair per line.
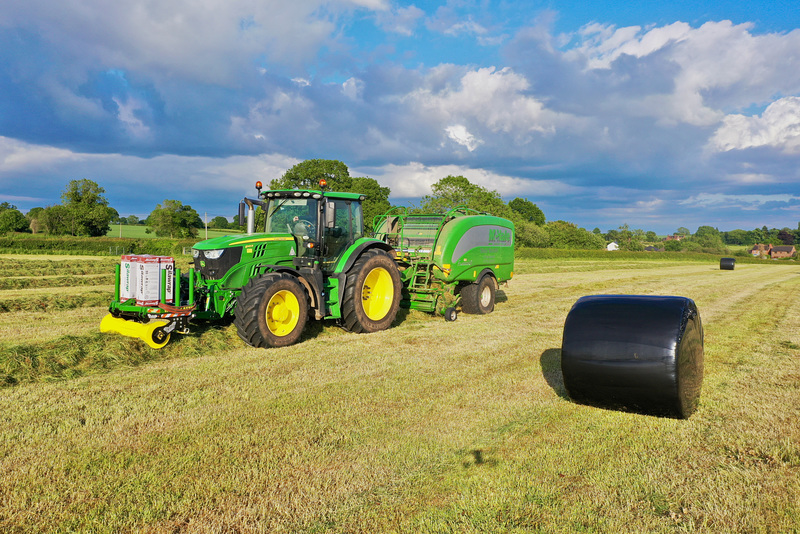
322,224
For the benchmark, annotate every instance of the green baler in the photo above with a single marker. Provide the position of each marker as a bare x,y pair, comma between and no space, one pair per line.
459,257
312,257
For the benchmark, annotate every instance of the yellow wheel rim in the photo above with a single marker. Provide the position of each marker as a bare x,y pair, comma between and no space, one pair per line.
283,312
377,294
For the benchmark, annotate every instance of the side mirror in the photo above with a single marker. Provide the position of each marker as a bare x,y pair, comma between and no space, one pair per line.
330,214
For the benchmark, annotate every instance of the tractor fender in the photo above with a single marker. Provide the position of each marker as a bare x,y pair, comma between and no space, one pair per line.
314,292
352,256
354,253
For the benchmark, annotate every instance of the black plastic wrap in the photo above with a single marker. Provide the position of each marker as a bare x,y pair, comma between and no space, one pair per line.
727,264
634,352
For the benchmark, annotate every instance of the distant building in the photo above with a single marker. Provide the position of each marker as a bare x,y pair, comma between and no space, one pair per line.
782,251
612,246
674,237
760,249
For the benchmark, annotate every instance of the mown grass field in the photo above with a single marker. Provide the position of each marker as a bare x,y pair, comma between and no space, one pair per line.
427,427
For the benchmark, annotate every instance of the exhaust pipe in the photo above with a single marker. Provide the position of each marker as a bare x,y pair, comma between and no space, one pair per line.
251,215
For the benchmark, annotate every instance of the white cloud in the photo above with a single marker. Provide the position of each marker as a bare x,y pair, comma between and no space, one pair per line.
717,65
777,127
212,184
214,41
17,156
352,88
744,202
127,116
402,20
603,44
485,99
460,135
415,179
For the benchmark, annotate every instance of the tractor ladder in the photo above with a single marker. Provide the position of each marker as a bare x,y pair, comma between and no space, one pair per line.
421,294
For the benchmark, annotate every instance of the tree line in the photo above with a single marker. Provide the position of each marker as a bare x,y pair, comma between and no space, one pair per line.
85,211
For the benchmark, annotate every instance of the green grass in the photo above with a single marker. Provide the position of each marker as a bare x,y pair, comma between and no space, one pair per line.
427,427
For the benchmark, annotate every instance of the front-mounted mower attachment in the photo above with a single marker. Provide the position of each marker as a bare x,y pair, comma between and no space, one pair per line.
151,321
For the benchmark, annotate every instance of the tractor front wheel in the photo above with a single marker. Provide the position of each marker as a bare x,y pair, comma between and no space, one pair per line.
271,311
371,293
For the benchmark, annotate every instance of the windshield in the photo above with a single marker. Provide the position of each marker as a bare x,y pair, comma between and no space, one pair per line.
292,215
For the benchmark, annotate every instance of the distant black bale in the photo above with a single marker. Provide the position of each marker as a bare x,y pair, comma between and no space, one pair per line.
634,352
727,264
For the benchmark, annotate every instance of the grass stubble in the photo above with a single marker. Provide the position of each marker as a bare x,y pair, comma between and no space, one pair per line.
429,426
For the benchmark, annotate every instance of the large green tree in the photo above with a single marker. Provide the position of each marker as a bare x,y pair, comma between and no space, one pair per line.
308,173
88,209
11,219
629,239
708,237
173,219
377,202
219,222
528,234
527,211
454,191
567,235
57,220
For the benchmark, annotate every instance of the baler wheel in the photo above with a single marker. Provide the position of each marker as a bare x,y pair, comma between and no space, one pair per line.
478,298
371,294
271,311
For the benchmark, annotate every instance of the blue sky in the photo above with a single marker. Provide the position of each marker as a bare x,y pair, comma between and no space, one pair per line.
657,115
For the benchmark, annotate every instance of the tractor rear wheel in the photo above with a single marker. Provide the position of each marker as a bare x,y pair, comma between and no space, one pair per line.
478,298
271,311
371,293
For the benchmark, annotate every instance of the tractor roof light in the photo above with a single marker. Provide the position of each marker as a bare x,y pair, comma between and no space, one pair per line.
323,183
298,194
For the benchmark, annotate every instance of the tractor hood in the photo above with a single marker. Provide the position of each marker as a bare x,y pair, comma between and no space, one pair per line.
233,256
225,241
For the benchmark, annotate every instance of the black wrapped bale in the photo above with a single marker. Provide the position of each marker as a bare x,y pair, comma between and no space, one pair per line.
634,352
727,264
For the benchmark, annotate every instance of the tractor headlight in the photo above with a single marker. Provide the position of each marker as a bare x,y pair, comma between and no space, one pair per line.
195,253
213,254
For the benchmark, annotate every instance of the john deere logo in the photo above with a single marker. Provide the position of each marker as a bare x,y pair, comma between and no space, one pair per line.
497,235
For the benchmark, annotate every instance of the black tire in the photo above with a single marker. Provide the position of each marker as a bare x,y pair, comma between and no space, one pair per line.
450,314
371,293
271,311
478,298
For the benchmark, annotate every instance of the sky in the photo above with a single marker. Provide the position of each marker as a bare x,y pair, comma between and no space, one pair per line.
658,115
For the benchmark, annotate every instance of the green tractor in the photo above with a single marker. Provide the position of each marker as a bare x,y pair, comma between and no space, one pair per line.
313,259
